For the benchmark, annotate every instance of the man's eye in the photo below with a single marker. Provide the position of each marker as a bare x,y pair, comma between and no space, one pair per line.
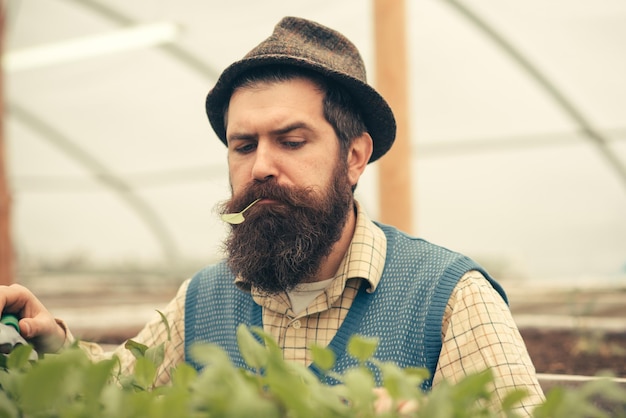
245,149
293,144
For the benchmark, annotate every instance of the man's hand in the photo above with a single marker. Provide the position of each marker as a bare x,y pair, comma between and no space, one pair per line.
37,325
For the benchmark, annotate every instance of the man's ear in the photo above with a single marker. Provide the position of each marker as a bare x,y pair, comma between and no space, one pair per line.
358,156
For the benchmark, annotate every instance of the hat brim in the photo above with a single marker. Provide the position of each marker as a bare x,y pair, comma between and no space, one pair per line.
376,113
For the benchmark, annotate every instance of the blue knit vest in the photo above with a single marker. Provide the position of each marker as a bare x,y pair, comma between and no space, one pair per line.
404,313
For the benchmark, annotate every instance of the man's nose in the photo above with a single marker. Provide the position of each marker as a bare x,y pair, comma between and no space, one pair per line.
264,167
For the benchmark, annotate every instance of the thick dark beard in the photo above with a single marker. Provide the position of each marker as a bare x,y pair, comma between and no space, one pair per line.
283,244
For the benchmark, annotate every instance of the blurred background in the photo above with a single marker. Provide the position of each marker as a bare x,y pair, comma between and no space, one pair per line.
518,132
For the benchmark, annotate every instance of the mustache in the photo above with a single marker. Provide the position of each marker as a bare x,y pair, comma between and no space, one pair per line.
289,196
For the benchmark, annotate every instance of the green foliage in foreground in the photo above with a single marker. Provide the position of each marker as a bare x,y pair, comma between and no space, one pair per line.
69,385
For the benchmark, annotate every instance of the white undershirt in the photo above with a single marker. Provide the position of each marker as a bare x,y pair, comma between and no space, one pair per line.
305,293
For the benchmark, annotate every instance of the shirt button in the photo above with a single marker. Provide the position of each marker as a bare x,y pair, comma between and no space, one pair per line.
296,324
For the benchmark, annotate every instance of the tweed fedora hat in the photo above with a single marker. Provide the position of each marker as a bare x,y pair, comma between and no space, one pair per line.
303,43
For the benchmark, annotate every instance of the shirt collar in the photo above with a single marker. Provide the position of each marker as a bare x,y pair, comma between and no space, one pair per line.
366,254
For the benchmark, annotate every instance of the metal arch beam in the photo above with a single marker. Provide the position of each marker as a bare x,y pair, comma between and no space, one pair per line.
105,176
593,134
180,54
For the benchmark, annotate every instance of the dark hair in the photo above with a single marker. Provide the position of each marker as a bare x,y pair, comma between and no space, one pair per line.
338,106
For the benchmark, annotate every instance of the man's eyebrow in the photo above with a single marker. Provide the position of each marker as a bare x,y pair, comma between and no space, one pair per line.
291,127
276,132
241,137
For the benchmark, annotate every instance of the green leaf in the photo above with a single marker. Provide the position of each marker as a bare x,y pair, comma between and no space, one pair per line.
439,403
268,340
475,385
471,389
7,407
362,348
360,384
393,380
69,385
145,373
419,373
97,376
603,388
113,402
174,403
323,357
138,404
183,375
167,325
253,352
52,381
137,349
18,358
513,398
156,354
548,408
206,354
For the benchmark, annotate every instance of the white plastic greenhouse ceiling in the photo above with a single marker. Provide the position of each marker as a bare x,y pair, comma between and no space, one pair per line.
517,128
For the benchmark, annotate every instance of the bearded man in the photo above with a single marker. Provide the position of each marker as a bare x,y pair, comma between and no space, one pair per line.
304,261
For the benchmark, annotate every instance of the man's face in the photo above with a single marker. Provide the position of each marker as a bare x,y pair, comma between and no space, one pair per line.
282,150
278,130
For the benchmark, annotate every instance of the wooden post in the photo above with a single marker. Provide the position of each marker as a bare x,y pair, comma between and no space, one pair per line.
392,82
6,248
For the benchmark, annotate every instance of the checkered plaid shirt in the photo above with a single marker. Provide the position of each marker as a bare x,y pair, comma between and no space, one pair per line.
477,329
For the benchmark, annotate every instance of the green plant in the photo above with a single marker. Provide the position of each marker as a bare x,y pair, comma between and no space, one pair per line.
69,385
589,339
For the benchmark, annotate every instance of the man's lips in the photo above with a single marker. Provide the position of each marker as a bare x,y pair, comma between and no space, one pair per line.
268,201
